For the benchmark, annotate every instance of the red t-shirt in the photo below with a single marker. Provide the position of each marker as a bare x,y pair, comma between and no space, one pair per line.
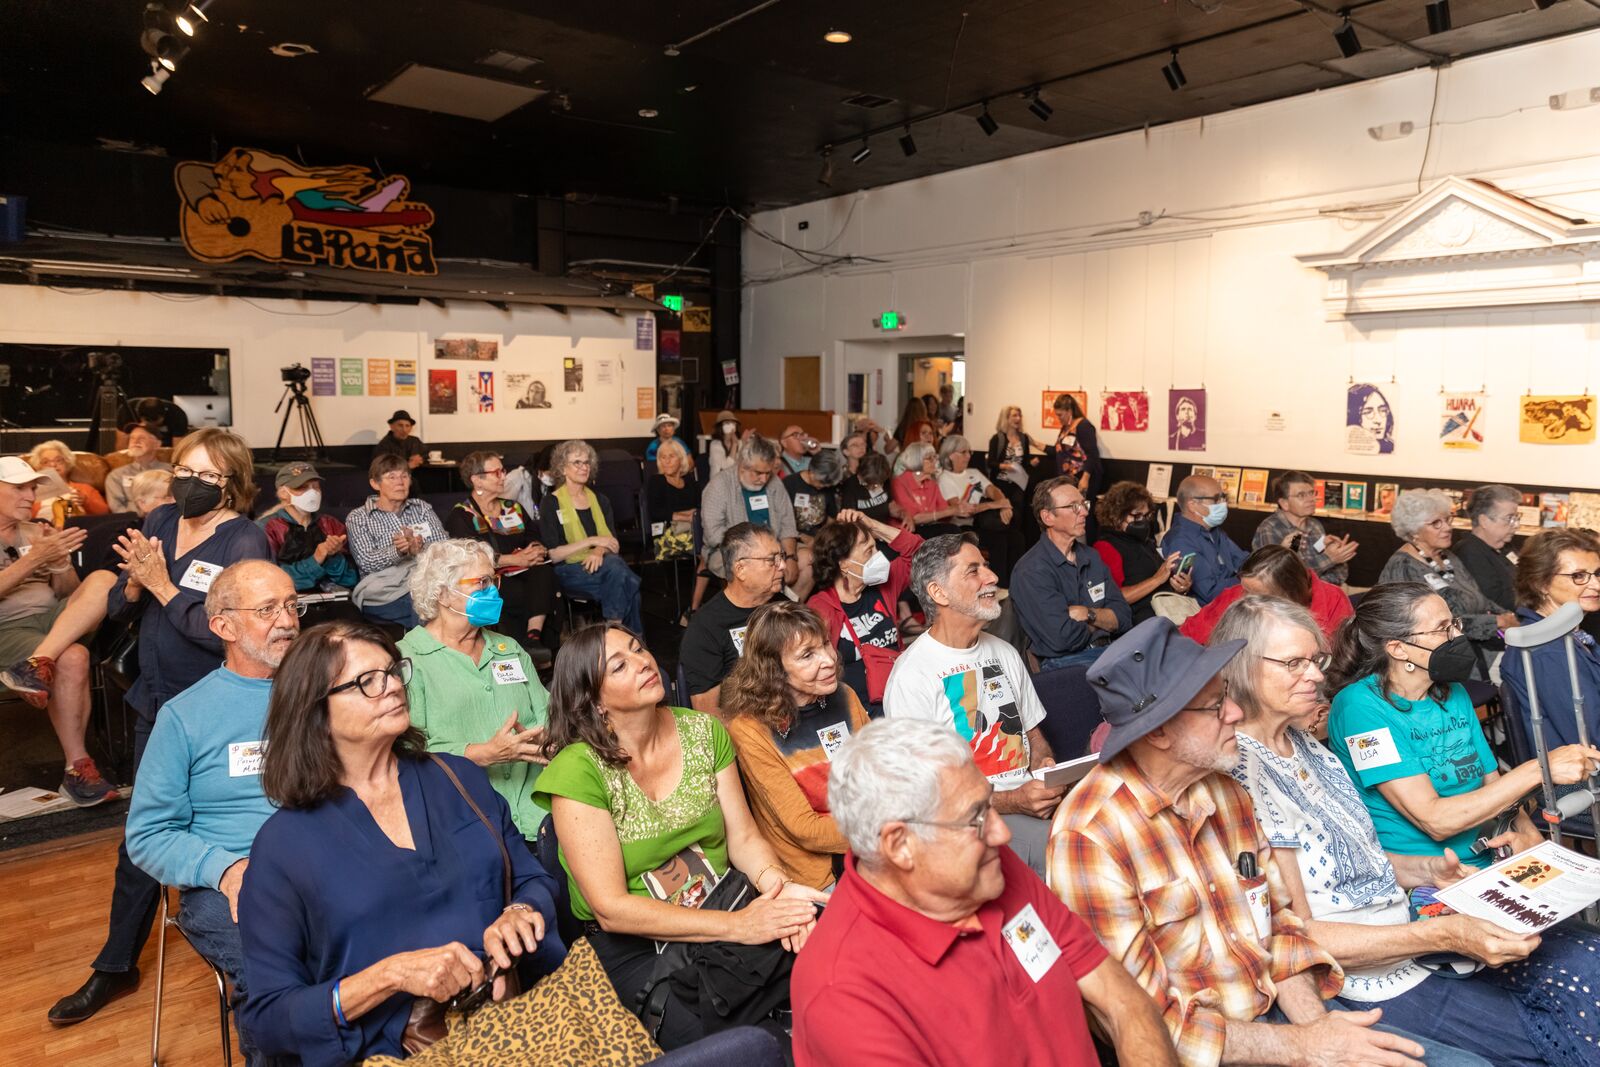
1329,606
881,984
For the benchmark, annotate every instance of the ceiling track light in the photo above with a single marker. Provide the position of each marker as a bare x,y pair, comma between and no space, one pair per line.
1438,12
986,121
156,79
1174,73
907,145
1041,110
825,177
1345,37
861,153
195,14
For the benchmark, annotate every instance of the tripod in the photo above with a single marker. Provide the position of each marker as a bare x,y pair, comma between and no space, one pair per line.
310,433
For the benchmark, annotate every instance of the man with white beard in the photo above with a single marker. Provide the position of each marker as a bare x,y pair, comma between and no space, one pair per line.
960,676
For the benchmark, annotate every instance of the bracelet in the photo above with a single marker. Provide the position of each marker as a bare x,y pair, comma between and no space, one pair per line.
515,906
783,878
338,1009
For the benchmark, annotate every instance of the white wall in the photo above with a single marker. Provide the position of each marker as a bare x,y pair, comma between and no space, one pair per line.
1011,255
265,335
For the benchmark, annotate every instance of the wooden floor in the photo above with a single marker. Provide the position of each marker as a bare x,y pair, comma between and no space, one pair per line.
53,903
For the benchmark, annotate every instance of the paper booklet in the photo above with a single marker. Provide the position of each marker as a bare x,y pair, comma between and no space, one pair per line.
1529,892
1159,481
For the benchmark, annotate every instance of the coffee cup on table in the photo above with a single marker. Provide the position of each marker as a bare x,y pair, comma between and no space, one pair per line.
435,456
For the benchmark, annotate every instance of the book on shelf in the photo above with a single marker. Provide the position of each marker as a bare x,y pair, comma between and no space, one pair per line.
1158,482
1355,496
1583,510
1528,515
1383,495
1553,509
1320,488
1198,471
1333,493
1229,477
1253,486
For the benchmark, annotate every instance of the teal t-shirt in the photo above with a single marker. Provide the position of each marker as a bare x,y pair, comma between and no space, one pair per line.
757,506
1380,739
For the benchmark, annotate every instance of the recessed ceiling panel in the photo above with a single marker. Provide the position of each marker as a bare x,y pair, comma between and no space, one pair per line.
449,93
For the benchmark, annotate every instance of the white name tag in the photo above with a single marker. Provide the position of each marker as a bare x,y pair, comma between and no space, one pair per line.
1260,908
1320,544
510,521
244,758
1097,593
1035,949
23,550
1512,556
1070,441
1435,582
759,502
1375,749
802,499
418,528
199,576
737,637
833,737
657,529
507,671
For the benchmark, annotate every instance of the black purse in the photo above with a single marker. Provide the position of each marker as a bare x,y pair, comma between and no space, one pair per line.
732,893
121,661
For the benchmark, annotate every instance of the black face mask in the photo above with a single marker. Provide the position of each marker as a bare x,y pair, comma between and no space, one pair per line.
195,498
1452,661
1139,531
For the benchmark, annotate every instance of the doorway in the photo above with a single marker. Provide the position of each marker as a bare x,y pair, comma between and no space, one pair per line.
925,374
802,383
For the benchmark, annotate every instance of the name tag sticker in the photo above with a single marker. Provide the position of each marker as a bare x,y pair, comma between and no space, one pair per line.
244,758
1035,949
510,521
657,528
1374,749
1097,592
833,737
1511,556
759,502
418,528
1260,907
199,576
736,635
1435,582
1320,544
1070,441
802,499
23,550
507,671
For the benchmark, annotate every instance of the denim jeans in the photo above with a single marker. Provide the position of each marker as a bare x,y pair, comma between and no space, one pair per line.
743,1046
134,894
1467,1012
396,611
614,585
1084,656
1434,1053
205,918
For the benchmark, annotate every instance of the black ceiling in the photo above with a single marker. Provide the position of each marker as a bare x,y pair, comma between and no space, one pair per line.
768,91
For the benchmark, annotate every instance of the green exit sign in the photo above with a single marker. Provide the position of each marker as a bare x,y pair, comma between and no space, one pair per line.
890,320
672,303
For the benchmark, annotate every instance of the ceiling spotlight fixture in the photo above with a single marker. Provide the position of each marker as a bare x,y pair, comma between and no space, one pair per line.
648,112
986,121
1345,37
1438,12
170,56
671,50
1174,73
292,50
861,153
907,145
1040,109
192,17
155,79
837,37
826,176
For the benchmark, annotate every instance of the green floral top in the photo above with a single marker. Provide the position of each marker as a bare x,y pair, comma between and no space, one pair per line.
673,849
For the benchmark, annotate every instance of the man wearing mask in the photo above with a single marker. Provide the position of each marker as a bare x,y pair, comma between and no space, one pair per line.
714,640
1204,551
399,441
306,543
199,801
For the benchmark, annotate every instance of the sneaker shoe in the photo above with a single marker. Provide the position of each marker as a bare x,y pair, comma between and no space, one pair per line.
31,679
83,785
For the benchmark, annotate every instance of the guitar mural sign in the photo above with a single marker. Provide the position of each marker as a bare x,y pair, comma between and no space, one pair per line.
255,203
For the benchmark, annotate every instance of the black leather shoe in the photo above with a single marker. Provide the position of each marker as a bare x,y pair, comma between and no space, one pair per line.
101,989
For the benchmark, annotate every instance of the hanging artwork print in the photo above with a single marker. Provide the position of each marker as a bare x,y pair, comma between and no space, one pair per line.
405,377
350,379
255,203
441,392
482,384
378,377
1047,406
1462,428
323,380
465,348
1125,411
1557,420
696,320
572,374
1368,421
1186,420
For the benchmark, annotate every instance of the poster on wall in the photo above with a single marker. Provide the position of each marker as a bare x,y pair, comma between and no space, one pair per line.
644,333
671,346
646,403
1368,421
482,385
1557,420
378,377
572,375
441,392
696,320
1128,410
1047,406
350,377
323,380
405,377
465,348
1186,420
1462,425
603,373
528,391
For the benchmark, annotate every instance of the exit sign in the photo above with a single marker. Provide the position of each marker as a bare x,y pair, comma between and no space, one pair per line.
890,320
672,303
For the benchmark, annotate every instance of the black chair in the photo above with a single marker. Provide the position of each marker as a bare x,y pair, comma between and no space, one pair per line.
647,536
620,480
1072,710
547,850
682,680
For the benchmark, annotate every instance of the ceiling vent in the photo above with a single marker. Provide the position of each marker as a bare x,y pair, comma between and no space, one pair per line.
449,93
868,100
510,61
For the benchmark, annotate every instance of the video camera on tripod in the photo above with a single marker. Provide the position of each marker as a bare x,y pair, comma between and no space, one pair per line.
295,377
295,374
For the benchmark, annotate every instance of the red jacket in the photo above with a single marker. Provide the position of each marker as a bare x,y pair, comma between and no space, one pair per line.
1329,606
878,661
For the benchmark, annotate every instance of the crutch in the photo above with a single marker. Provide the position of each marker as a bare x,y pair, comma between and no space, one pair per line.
1559,626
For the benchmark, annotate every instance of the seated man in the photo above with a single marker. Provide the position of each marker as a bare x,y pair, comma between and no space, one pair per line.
386,533
143,444
971,681
939,946
714,640
797,449
749,491
399,442
1159,851
38,587
199,801
307,542
1196,535
1064,594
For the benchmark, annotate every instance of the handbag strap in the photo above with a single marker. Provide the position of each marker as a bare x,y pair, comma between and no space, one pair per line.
499,839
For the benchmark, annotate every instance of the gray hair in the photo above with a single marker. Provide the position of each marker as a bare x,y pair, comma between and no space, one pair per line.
756,449
739,537
931,566
828,467
567,451
1485,497
438,566
892,771
954,443
1252,618
673,446
912,455
1415,508
224,591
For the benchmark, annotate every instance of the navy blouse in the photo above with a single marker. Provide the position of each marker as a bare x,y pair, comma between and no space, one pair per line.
327,894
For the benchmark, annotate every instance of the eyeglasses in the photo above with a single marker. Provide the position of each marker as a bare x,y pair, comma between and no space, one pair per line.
1138,516
1211,709
1081,507
580,463
1579,578
396,476
1443,630
1307,494
1441,523
774,560
268,612
1508,519
375,683
469,999
478,584
1215,498
975,824
211,478
490,472
1298,664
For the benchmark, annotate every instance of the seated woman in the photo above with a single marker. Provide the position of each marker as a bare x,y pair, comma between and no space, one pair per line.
858,596
1128,546
473,691
867,491
788,714
813,494
672,495
920,498
918,432
487,515
721,451
1353,897
1275,571
80,498
576,525
376,883
1485,551
993,517
851,449
1421,519
385,535
650,815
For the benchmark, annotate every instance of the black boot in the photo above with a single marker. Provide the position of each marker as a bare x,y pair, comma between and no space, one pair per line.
101,989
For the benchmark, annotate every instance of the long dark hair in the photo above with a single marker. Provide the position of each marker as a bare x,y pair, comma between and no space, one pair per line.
1281,569
1387,613
301,768
580,671
832,545
758,685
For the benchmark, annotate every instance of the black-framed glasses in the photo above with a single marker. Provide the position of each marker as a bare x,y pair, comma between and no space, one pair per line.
268,612
1080,506
211,478
1210,709
1578,578
1214,498
1443,630
1298,664
375,683
975,824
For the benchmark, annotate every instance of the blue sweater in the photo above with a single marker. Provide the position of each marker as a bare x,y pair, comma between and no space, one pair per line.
199,801
176,646
1554,683
328,894
1216,557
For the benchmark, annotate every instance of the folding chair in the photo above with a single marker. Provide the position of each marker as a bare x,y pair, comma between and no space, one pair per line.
1072,710
165,920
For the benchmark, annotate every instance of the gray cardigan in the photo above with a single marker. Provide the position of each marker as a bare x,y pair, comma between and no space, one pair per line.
722,507
1476,611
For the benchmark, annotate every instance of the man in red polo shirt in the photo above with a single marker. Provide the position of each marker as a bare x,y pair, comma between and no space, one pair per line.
939,945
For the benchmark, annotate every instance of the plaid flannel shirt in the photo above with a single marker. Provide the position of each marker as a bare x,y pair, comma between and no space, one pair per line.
1158,882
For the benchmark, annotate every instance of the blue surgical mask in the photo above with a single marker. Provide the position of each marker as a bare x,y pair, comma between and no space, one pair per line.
1216,513
483,607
